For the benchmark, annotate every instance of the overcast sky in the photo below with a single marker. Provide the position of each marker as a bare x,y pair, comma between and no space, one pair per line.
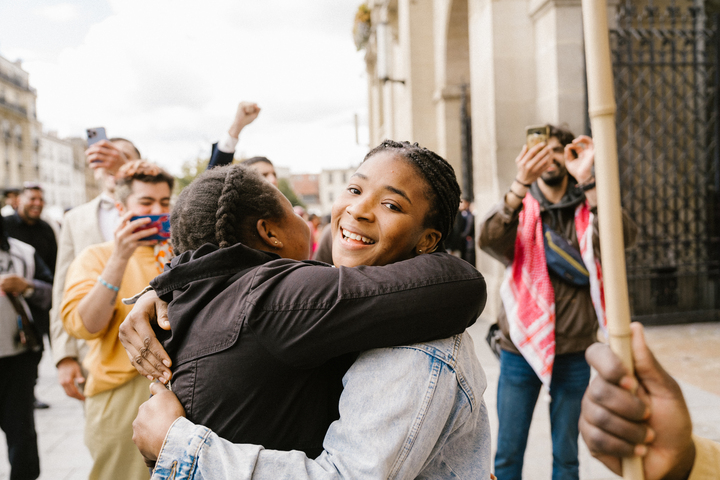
168,74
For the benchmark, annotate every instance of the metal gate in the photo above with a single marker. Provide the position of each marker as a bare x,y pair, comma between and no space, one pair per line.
665,62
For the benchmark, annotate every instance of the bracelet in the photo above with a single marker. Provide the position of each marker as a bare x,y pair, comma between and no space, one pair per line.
518,196
107,285
587,186
523,184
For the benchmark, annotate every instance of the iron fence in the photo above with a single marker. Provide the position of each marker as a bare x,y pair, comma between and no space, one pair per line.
667,81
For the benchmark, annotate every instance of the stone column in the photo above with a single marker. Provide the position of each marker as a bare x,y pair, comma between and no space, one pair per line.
502,69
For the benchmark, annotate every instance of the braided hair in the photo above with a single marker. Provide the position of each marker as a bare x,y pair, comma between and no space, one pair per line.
222,207
443,190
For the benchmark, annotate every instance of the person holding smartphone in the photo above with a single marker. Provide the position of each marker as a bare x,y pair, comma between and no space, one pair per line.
87,224
91,309
545,232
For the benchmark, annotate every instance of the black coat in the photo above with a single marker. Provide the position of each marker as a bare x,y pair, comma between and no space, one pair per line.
260,344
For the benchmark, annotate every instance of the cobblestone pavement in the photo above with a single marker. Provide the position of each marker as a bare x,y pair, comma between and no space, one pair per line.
690,352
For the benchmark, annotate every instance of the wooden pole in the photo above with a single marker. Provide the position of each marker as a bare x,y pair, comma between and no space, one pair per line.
601,107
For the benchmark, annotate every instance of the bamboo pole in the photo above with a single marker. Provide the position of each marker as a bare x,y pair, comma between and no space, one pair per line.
601,106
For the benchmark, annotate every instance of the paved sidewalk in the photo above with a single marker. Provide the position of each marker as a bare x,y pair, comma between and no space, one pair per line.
63,455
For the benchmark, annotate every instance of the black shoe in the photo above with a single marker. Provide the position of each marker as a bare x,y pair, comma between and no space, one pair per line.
38,405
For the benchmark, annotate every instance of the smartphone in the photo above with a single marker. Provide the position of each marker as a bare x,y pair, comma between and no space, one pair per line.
161,222
536,134
94,135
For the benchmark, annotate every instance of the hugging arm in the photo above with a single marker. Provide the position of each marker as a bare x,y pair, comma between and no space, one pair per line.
334,311
362,443
338,310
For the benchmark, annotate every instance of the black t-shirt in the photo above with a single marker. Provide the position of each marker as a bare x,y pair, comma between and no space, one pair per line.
40,235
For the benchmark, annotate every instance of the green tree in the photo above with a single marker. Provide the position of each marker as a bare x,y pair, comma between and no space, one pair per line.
189,170
287,190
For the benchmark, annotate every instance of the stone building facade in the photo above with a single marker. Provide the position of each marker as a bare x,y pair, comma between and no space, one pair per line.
520,63
19,127
62,171
466,77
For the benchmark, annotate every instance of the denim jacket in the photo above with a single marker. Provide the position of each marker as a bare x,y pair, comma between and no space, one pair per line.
414,411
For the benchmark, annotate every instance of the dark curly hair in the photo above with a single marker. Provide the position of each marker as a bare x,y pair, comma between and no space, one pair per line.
563,134
222,207
443,190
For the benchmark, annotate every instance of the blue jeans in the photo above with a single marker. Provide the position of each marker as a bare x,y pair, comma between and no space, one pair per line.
518,390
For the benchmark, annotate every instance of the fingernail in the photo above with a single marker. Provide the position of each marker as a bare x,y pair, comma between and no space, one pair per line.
650,435
166,363
648,412
149,377
629,383
640,450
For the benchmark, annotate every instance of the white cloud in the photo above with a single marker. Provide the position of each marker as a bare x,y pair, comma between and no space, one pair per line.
168,75
60,13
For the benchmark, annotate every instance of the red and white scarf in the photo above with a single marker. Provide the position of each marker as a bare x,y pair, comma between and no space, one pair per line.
527,292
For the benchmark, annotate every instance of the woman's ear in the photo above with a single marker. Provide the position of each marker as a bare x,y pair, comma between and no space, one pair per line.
267,229
428,242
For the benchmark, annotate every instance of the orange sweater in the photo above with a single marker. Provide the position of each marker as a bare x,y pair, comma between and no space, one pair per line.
107,362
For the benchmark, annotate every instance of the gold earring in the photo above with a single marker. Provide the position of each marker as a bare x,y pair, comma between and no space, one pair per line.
419,251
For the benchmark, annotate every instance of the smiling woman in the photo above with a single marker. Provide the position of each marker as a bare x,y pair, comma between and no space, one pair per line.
392,210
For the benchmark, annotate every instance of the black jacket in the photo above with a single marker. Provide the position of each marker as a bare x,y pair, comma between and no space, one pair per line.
260,344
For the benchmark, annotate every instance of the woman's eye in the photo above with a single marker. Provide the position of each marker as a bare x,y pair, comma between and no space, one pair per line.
393,207
353,190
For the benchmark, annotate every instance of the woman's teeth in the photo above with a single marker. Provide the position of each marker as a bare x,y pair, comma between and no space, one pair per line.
355,236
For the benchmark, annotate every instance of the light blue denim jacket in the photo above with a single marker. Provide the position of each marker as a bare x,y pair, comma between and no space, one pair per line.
406,412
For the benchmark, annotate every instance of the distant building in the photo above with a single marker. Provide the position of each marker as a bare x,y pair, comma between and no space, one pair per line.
62,171
332,184
307,188
19,127
92,187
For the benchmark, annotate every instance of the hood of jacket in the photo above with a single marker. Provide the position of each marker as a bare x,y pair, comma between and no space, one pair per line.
193,284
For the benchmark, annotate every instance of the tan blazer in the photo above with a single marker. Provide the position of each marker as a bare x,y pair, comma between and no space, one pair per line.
80,229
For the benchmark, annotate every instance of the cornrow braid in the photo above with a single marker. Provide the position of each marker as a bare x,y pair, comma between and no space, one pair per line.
443,191
222,207
225,220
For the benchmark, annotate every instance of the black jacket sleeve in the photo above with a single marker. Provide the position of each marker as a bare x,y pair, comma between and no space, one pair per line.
218,158
307,314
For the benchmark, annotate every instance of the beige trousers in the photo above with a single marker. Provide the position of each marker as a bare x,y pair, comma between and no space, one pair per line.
108,431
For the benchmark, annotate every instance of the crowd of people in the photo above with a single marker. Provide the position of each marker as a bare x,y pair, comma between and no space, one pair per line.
264,365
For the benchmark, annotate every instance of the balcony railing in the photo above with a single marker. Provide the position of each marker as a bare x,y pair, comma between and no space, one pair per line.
17,82
11,106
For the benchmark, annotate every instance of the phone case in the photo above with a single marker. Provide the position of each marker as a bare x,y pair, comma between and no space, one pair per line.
162,222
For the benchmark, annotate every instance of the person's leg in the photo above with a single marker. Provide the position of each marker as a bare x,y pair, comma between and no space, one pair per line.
518,389
108,431
17,417
571,375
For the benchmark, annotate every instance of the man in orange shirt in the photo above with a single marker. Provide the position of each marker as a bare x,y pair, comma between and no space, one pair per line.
92,309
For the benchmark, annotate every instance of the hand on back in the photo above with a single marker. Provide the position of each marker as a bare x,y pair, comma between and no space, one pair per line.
141,345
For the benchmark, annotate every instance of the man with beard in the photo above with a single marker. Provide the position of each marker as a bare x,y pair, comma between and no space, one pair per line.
27,226
551,293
